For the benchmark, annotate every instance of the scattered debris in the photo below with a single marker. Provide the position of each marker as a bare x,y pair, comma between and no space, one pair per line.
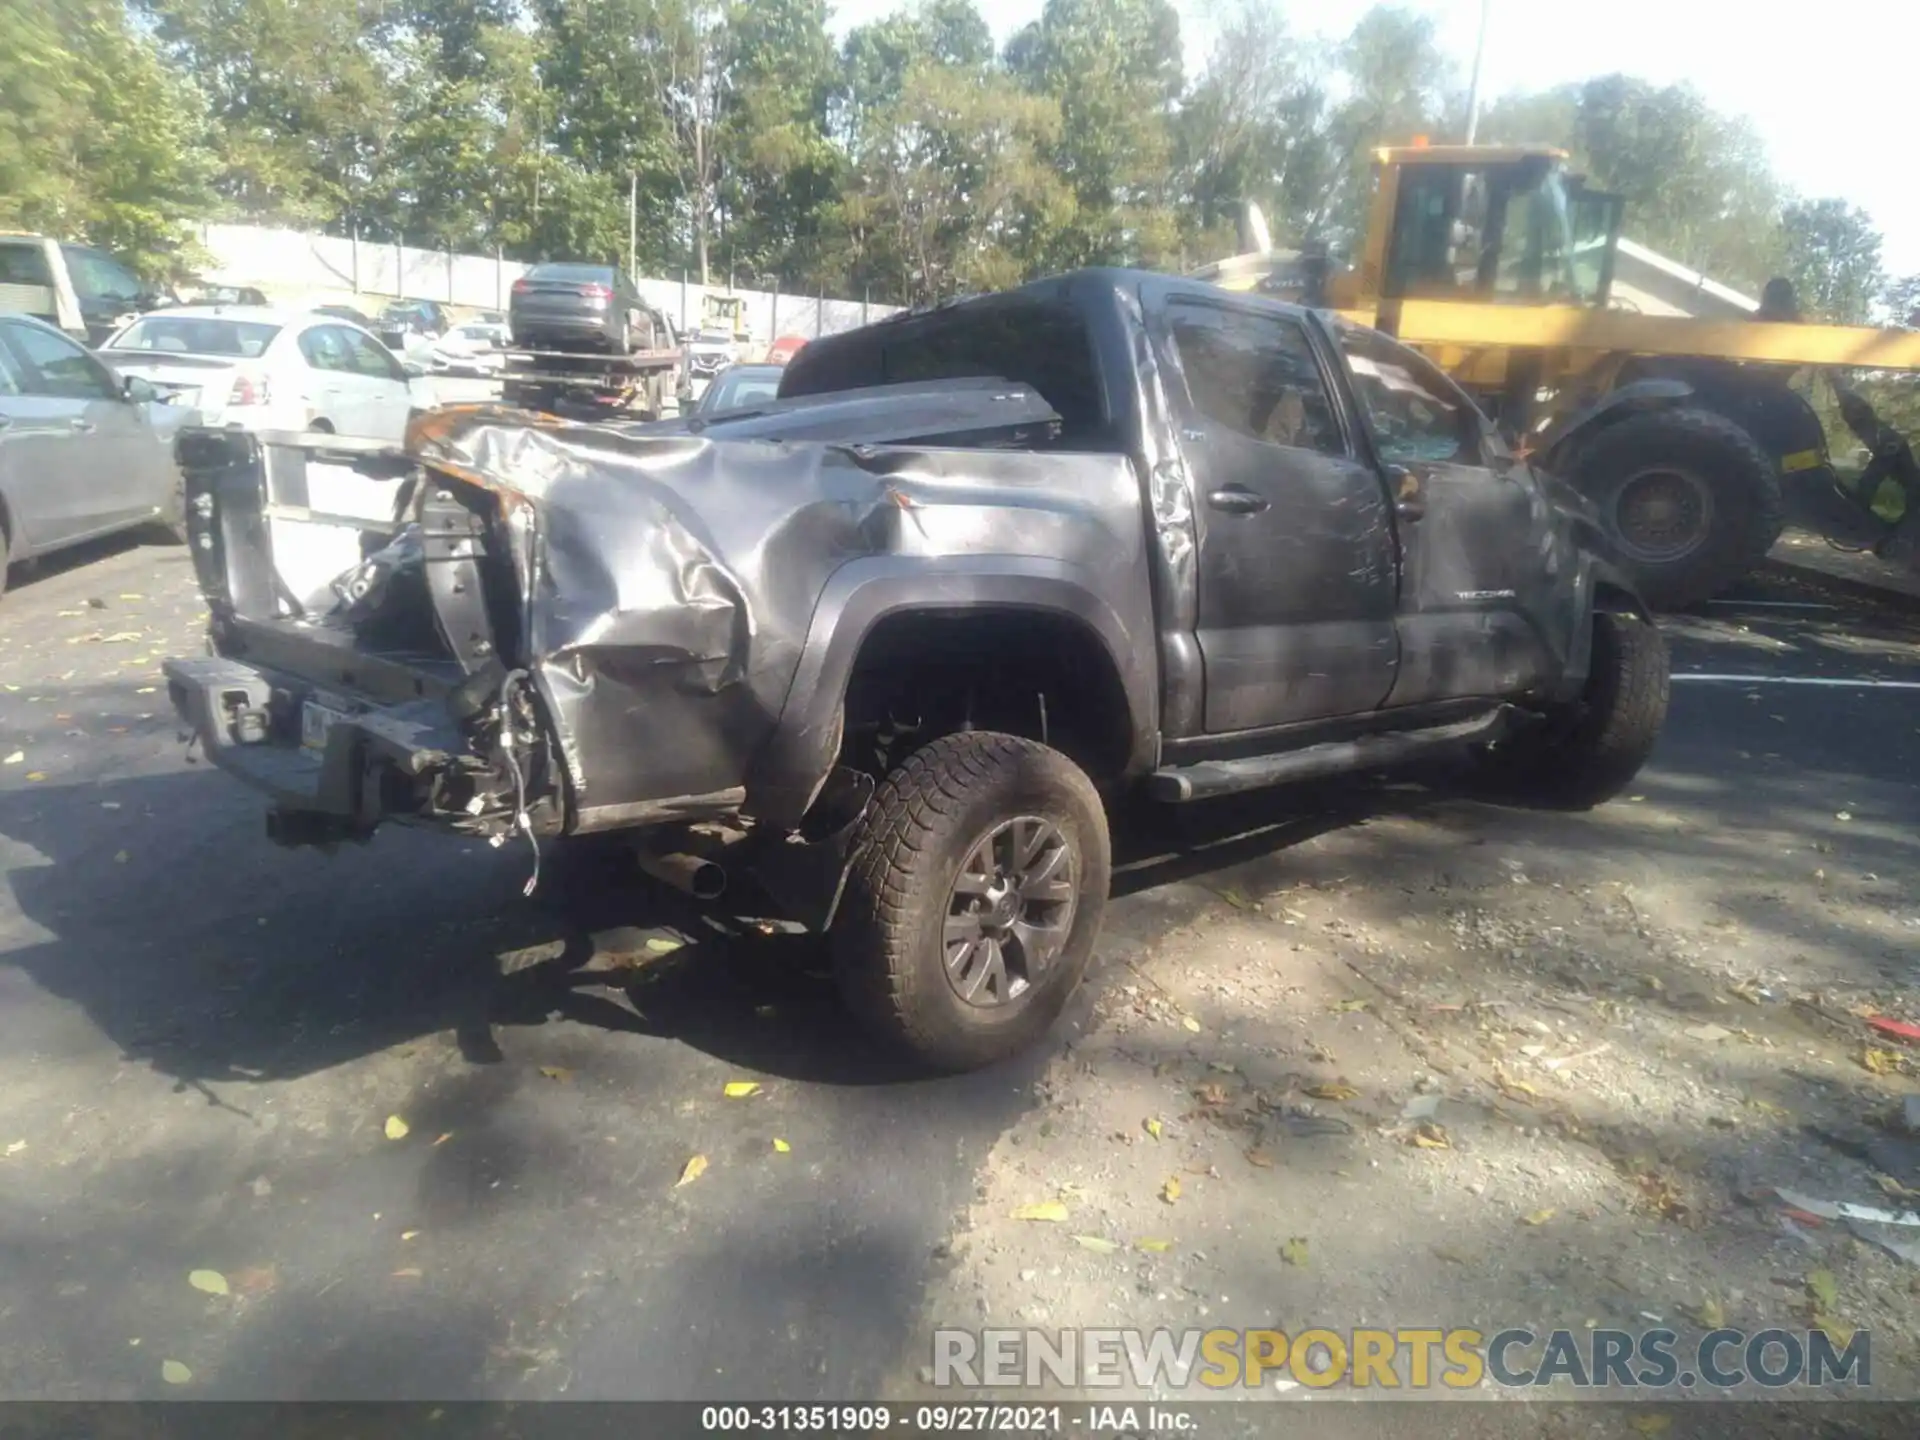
1096,1244
174,1373
1900,1030
396,1128
1710,1034
1539,1217
1051,1212
1170,1192
212,1282
1839,1210
741,1089
692,1171
1337,1092
781,1147
556,1072
1294,1252
1154,1247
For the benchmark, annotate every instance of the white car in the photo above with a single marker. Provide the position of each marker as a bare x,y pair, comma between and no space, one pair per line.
477,347
266,369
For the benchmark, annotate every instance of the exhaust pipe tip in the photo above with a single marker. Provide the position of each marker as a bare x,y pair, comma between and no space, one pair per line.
689,874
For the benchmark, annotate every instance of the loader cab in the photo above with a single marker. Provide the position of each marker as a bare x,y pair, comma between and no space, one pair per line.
1489,224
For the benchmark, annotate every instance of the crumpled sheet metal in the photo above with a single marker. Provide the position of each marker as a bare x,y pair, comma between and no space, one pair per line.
676,578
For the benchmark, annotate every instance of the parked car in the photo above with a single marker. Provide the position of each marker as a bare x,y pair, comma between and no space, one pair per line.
1120,538
785,348
582,307
740,385
348,313
425,318
204,294
83,453
83,291
475,348
269,369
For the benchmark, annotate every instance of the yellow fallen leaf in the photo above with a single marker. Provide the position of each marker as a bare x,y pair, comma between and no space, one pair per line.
1294,1252
1429,1136
1260,1158
1838,1331
556,1072
1332,1092
1651,1425
412,1272
1233,897
174,1373
1347,1007
120,857
1186,1020
1539,1217
780,1147
408,1234
660,945
1051,1211
14,1147
1879,1062
211,1281
740,1089
1170,1192
396,1128
1154,1247
36,775
1823,1289
1095,1244
1154,1128
1710,1314
694,1169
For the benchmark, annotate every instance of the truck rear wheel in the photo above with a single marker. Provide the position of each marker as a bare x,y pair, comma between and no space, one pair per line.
1589,751
977,885
1689,499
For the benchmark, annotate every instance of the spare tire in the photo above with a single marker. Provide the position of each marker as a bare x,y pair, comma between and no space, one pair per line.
1687,497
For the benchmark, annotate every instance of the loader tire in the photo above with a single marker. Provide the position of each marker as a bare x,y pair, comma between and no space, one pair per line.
974,896
1589,750
1687,497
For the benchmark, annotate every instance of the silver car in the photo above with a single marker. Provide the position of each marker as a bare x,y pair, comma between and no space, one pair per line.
82,453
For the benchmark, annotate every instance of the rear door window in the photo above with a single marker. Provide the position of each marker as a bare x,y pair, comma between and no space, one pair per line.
101,278
367,357
325,348
1256,374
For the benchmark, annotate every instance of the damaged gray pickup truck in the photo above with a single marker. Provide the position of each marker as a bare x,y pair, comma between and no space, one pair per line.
897,643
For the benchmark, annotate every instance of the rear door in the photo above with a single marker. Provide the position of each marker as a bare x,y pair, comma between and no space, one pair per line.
330,387
101,455
1296,559
388,397
1483,609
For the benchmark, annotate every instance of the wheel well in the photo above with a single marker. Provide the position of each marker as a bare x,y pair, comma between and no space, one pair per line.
1618,600
1040,674
322,426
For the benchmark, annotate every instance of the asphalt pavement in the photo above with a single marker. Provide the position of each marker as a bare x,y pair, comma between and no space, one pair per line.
431,1135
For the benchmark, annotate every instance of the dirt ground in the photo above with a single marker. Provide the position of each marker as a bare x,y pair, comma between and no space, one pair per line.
1425,1062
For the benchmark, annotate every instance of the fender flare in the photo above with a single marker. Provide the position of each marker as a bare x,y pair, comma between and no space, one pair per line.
1554,442
787,775
1603,586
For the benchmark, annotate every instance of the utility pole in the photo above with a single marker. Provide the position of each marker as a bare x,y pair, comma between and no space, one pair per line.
633,226
1479,59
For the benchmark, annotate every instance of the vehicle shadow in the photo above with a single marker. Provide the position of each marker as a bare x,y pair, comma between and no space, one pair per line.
26,573
154,904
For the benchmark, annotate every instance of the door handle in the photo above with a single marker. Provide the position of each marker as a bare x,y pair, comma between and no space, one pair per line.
82,426
1411,509
1236,500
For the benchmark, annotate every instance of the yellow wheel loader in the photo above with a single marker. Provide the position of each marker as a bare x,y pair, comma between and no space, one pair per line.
1498,265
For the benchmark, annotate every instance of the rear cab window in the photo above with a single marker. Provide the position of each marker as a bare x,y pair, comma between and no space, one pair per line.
1043,344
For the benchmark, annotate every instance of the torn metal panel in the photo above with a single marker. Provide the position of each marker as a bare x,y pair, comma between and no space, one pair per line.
675,578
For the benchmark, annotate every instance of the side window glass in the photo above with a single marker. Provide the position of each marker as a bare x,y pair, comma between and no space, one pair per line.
1256,375
59,367
371,359
1415,415
13,379
322,348
96,277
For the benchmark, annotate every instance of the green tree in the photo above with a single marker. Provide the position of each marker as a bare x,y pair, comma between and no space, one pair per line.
301,109
1832,253
98,138
1113,67
1901,300
1394,78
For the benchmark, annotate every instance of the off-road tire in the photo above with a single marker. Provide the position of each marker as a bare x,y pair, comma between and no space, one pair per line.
917,833
1748,509
1590,751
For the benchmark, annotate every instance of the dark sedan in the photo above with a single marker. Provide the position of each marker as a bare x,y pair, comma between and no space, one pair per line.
738,386
581,307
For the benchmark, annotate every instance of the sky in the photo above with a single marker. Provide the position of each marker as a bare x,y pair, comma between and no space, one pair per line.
1829,99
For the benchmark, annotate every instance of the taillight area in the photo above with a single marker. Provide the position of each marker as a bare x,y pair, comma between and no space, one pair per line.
249,390
521,287
596,292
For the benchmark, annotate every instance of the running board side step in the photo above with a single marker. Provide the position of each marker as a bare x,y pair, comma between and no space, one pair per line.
1177,784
